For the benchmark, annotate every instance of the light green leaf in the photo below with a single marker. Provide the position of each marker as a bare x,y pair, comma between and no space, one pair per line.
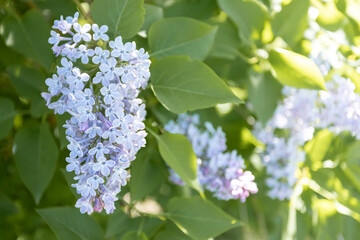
318,147
181,36
248,15
199,218
177,152
68,223
123,17
28,36
7,114
152,14
264,93
27,81
134,236
182,85
291,22
35,154
295,70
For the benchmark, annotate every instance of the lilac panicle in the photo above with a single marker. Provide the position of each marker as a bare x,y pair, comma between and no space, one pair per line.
98,87
220,172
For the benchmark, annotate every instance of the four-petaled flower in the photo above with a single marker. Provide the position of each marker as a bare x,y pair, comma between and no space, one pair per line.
104,166
82,32
99,33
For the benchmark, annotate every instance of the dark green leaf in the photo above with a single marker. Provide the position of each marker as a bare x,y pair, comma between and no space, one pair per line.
7,114
145,174
295,70
38,107
199,218
7,207
264,93
27,81
123,17
177,152
181,36
68,223
181,85
134,236
28,36
35,154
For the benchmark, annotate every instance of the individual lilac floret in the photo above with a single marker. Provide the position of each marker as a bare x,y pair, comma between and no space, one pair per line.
106,127
219,172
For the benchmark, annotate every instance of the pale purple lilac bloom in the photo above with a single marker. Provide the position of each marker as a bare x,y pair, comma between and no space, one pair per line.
106,127
220,172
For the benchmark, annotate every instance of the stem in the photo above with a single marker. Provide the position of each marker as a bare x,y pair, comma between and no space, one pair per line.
82,10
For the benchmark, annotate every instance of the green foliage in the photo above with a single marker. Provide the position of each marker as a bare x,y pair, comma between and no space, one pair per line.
28,35
7,114
248,15
177,77
206,56
181,36
295,70
69,223
292,21
199,218
123,18
264,93
36,154
177,152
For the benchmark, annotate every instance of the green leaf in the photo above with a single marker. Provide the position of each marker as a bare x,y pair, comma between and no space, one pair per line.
119,218
248,15
35,154
171,231
227,42
199,9
7,114
68,223
182,85
181,36
177,152
264,93
123,17
7,207
199,218
38,107
28,36
318,147
146,175
134,236
152,14
27,81
291,22
295,70
330,17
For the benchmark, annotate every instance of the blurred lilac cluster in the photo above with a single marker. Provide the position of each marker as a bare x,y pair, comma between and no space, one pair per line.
220,172
106,127
302,111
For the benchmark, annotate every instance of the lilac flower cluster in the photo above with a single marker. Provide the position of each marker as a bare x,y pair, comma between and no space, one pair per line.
218,171
302,111
98,86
